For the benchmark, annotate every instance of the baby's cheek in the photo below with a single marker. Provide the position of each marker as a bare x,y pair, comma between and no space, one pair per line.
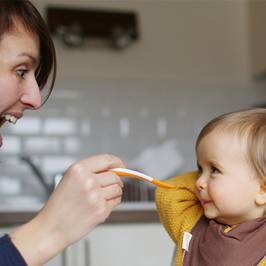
220,195
214,190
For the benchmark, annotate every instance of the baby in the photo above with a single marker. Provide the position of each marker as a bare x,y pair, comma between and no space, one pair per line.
216,214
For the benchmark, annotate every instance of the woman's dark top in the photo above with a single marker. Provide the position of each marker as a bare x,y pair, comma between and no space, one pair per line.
9,255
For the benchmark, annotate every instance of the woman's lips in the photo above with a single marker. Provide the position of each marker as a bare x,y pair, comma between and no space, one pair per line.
11,117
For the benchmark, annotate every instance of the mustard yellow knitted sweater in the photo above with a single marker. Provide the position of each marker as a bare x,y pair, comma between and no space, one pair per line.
179,209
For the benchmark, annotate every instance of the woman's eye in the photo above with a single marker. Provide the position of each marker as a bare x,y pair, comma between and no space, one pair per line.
22,72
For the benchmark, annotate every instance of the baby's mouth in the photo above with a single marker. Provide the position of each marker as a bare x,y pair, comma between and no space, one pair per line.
10,118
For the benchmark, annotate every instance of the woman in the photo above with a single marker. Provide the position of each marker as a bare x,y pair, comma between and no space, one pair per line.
87,193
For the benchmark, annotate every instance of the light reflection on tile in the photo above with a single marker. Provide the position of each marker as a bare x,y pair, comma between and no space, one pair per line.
161,127
124,127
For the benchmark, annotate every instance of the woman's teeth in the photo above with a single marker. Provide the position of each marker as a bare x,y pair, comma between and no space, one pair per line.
10,118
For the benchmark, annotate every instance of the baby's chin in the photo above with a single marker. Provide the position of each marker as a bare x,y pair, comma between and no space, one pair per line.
212,216
229,222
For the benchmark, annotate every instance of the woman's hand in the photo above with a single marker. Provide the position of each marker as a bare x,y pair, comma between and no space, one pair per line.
84,198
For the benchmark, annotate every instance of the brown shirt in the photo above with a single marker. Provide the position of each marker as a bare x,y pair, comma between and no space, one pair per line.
210,245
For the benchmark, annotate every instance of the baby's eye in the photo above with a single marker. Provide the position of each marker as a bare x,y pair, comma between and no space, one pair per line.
200,169
215,170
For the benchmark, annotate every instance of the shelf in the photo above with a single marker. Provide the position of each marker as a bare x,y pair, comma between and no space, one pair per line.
124,213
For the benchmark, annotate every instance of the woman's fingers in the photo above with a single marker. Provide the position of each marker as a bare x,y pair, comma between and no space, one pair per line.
112,191
112,203
85,196
102,162
108,178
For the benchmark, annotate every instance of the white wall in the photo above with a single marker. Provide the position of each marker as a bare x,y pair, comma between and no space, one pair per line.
202,41
257,36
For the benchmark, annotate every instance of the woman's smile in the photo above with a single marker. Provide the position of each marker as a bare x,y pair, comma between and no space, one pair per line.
11,119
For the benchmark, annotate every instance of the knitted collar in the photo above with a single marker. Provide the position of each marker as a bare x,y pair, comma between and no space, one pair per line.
210,245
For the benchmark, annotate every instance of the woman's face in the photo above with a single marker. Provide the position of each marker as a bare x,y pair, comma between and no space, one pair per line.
19,58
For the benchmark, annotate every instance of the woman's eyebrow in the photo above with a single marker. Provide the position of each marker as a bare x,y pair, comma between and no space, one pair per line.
34,60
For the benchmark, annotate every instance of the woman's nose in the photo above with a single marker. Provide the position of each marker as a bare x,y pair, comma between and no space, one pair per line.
31,96
201,183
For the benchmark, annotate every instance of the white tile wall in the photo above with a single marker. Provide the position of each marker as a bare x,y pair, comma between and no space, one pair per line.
123,118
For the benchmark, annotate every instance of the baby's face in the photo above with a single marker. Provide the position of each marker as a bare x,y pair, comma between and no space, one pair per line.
227,188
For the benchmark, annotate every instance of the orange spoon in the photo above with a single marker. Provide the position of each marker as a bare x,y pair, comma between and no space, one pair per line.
135,174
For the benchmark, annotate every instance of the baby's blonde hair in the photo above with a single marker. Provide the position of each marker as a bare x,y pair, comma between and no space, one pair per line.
247,125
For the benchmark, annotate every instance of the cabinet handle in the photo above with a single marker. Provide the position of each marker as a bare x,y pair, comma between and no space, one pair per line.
87,252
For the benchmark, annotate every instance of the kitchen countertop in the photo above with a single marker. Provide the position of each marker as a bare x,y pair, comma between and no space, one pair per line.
124,213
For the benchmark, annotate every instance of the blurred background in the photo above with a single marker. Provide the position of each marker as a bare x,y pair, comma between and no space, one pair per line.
146,102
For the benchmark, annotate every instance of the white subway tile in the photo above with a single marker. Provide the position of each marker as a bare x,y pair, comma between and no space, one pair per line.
86,128
71,145
42,144
11,145
57,164
124,127
161,127
106,111
59,126
9,185
26,125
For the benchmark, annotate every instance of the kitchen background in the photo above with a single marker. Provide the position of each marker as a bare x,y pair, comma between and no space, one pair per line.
193,61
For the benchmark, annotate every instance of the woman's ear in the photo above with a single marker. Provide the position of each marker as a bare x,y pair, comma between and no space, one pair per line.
261,197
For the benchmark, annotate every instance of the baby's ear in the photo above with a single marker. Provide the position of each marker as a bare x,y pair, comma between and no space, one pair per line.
261,197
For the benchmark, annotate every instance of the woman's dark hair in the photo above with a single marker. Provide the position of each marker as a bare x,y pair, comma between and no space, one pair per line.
25,12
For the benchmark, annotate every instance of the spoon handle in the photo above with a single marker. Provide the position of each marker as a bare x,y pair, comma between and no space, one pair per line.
135,174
